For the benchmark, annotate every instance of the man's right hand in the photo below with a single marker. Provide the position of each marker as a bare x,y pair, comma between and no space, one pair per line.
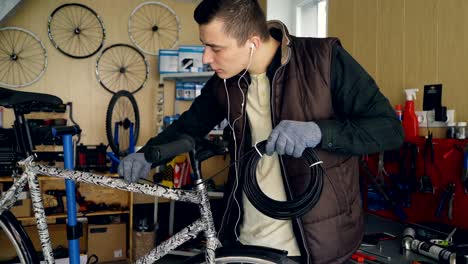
134,166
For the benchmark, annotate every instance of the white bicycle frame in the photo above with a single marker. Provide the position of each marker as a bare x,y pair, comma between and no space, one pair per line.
198,196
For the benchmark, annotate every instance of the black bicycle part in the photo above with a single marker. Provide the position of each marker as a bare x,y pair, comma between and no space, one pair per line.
23,103
160,153
76,30
297,207
238,252
123,110
11,225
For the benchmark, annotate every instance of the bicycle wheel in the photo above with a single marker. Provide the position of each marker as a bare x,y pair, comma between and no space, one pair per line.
122,67
23,57
16,245
153,26
76,30
122,113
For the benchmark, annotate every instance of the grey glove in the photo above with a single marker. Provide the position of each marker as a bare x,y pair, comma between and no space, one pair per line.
134,166
292,137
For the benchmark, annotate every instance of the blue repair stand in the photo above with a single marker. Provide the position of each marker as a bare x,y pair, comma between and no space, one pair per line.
115,159
72,223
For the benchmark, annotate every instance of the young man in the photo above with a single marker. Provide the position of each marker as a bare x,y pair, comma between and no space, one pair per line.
295,93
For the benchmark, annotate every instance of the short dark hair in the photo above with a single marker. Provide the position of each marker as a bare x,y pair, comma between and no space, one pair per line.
243,18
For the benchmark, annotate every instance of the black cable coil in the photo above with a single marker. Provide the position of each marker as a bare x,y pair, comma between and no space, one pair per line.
282,210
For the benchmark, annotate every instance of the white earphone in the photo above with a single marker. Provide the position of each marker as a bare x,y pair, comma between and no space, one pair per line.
252,46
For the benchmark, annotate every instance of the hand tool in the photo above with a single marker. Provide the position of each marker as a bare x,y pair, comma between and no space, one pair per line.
393,205
447,197
425,181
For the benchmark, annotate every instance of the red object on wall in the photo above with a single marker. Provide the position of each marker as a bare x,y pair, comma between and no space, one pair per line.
446,168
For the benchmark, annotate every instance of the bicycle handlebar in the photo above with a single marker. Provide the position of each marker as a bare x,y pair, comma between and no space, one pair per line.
160,153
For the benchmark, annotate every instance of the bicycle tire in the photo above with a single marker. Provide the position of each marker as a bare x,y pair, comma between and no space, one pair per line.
23,57
121,95
18,238
122,67
76,30
245,255
153,26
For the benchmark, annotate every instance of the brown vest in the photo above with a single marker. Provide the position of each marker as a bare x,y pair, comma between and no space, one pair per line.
332,230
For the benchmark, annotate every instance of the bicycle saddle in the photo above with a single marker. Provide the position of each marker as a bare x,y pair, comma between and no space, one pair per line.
11,98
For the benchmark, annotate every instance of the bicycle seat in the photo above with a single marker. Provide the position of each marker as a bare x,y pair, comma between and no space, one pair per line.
11,98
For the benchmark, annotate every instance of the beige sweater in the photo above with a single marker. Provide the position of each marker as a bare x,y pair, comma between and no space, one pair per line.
257,228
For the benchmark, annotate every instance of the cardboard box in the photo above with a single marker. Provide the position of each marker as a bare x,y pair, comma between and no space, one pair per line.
143,243
191,58
168,61
108,242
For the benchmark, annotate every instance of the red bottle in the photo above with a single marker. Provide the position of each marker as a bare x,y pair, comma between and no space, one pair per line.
410,120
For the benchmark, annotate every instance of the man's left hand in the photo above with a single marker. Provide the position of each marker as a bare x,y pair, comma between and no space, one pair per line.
292,137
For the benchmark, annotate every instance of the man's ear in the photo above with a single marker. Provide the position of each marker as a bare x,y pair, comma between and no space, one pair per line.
254,42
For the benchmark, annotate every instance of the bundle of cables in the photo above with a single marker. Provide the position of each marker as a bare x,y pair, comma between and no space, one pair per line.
282,210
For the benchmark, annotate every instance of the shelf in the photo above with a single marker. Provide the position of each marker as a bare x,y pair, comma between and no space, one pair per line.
55,216
187,76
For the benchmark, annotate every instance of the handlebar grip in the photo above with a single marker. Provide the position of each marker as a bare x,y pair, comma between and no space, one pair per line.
159,153
66,130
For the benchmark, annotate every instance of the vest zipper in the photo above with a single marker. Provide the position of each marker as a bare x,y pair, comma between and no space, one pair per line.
288,189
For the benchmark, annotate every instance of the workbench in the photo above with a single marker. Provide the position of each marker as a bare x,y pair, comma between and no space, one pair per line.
390,248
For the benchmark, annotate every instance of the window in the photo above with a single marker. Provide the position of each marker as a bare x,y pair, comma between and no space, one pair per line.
311,18
304,18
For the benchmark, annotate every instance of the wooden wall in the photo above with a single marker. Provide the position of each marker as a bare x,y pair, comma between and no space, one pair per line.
408,43
74,80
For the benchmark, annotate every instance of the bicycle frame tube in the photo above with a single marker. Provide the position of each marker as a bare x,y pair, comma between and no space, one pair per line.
39,214
116,183
198,196
11,196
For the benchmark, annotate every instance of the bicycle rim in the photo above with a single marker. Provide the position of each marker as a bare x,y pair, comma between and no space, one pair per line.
23,57
122,67
21,248
121,112
153,26
76,30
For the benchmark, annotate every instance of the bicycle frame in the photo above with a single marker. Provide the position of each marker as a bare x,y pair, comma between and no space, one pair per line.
198,196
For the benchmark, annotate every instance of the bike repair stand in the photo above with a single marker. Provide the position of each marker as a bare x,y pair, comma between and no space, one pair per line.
74,229
115,159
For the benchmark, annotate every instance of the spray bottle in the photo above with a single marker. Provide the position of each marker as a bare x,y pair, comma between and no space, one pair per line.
410,120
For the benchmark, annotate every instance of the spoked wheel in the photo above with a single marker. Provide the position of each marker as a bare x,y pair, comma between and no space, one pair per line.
23,57
153,26
76,30
16,245
122,67
122,120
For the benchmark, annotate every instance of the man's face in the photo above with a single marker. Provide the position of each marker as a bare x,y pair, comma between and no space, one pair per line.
222,52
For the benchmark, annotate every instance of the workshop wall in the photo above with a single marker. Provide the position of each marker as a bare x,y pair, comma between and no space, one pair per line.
408,43
74,80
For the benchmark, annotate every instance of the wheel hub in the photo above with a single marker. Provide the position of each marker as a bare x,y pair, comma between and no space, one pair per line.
122,70
126,123
77,31
14,57
155,28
